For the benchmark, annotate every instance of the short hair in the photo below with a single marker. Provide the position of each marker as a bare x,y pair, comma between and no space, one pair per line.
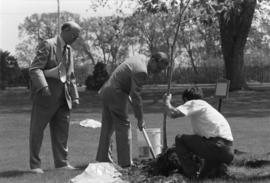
69,25
161,58
65,25
192,93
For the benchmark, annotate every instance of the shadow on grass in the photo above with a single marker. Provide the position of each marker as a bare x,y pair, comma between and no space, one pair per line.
19,173
257,163
249,160
252,178
13,173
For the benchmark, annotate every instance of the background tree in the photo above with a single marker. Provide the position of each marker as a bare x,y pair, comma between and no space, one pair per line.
258,43
234,18
9,69
200,43
108,39
3,59
44,26
110,36
235,23
149,31
25,52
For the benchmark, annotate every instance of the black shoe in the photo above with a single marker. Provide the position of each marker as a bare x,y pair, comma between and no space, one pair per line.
222,170
215,172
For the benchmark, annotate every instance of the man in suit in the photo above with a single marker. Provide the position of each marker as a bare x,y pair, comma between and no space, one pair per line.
123,86
54,91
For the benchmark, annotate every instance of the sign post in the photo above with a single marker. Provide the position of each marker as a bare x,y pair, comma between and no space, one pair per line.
222,91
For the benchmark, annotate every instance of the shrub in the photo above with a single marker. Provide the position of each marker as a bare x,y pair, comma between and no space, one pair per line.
98,78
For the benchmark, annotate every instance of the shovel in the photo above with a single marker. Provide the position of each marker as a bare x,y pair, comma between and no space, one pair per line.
145,136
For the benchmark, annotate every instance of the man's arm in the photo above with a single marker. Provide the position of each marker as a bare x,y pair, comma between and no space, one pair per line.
137,81
136,103
171,110
73,83
36,69
74,90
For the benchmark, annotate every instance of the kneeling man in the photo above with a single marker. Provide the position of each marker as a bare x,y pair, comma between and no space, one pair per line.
212,139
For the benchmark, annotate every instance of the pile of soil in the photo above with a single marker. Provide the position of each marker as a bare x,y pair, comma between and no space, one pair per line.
167,168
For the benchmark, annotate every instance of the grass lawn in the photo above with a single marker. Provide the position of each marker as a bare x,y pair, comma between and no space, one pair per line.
248,113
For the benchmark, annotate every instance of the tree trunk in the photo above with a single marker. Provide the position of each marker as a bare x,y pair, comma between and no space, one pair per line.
234,31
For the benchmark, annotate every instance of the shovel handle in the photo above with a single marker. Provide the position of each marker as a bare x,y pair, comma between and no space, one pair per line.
148,143
145,136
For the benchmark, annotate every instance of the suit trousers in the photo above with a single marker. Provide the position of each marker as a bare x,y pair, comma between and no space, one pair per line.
214,151
55,112
115,119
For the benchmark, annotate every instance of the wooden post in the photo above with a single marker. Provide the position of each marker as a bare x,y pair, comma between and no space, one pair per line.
219,104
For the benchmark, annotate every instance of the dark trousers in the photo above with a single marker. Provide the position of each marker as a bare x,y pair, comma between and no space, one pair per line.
115,119
214,151
57,114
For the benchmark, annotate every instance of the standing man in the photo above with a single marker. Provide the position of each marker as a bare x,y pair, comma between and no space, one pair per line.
123,86
54,91
212,139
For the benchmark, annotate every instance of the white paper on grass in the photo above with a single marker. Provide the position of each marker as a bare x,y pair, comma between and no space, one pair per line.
90,123
99,173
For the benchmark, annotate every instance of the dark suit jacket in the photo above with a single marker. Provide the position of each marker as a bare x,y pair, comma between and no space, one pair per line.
49,55
129,77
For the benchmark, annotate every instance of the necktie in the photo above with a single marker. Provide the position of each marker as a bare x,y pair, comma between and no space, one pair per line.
65,56
64,50
64,65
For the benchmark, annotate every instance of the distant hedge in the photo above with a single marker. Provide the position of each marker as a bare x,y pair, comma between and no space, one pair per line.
180,76
98,78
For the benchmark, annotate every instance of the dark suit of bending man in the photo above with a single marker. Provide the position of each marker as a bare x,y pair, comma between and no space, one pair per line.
53,96
125,83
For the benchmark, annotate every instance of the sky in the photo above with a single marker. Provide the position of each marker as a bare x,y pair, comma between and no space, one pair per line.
13,12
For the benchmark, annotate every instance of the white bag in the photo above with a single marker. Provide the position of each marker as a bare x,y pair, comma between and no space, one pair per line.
99,173
90,123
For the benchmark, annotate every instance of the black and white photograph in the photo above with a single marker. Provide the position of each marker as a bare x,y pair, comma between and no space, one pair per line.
134,91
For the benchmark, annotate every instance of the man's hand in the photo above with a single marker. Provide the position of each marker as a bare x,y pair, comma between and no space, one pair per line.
141,124
167,98
75,103
45,92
